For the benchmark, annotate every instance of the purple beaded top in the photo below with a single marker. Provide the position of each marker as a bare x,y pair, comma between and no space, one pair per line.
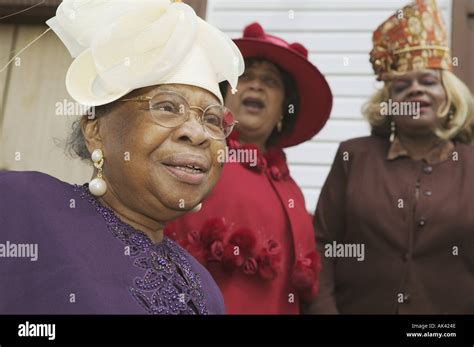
168,284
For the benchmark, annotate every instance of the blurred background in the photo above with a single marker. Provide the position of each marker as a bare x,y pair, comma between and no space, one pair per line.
337,34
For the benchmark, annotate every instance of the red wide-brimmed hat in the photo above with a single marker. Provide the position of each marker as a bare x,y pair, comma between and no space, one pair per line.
315,97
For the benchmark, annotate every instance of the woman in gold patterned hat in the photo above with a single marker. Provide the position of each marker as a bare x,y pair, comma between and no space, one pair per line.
400,196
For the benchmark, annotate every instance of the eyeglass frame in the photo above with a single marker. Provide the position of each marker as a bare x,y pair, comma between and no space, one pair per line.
199,118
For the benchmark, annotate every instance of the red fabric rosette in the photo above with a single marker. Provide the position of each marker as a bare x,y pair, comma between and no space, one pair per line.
214,229
240,247
305,277
269,260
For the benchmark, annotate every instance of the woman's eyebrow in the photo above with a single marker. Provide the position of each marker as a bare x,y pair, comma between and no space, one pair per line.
203,104
265,69
208,103
428,74
400,79
165,89
272,71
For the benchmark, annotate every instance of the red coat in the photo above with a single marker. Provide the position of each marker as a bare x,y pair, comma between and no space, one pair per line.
255,236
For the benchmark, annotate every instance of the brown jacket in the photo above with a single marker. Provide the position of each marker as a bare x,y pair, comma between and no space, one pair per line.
415,222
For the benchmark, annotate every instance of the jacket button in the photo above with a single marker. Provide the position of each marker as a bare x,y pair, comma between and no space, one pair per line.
428,192
406,298
422,222
275,172
428,169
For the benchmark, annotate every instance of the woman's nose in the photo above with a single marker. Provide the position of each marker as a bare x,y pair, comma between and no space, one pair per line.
256,84
415,88
192,131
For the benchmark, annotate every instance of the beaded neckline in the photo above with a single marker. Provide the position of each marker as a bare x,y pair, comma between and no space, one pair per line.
168,285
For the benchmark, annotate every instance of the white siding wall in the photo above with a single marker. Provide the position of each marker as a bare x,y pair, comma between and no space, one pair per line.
333,31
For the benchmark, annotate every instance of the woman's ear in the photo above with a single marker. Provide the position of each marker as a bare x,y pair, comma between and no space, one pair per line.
91,131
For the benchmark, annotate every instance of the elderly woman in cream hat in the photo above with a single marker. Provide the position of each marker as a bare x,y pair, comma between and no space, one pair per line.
151,71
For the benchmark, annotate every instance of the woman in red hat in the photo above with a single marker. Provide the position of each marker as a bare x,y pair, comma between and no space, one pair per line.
253,232
402,197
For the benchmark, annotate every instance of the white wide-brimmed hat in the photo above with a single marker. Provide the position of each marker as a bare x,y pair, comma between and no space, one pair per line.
122,45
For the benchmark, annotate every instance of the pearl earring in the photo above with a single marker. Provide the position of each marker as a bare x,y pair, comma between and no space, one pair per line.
197,208
98,186
450,115
280,125
392,131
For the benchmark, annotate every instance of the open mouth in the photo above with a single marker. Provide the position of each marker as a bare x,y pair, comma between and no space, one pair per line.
421,104
187,168
253,105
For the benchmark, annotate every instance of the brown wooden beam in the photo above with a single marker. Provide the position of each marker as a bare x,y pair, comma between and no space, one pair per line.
42,11
462,40
46,9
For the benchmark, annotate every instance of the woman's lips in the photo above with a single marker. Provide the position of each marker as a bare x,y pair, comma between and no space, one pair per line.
423,104
187,168
186,175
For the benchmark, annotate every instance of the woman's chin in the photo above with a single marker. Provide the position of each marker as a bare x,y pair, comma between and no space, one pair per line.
174,214
249,125
425,123
421,129
181,202
177,195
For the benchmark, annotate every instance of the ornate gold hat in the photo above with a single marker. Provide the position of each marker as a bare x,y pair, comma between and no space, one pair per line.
413,38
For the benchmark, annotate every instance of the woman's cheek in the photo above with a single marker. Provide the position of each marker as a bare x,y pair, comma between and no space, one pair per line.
396,96
441,97
217,156
151,136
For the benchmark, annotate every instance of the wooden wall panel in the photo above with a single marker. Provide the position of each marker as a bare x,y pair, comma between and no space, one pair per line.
38,11
463,40
31,126
7,32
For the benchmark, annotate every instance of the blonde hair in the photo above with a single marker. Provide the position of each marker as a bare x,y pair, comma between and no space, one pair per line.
459,100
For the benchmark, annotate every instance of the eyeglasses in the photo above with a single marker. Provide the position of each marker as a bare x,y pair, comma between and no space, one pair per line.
170,110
